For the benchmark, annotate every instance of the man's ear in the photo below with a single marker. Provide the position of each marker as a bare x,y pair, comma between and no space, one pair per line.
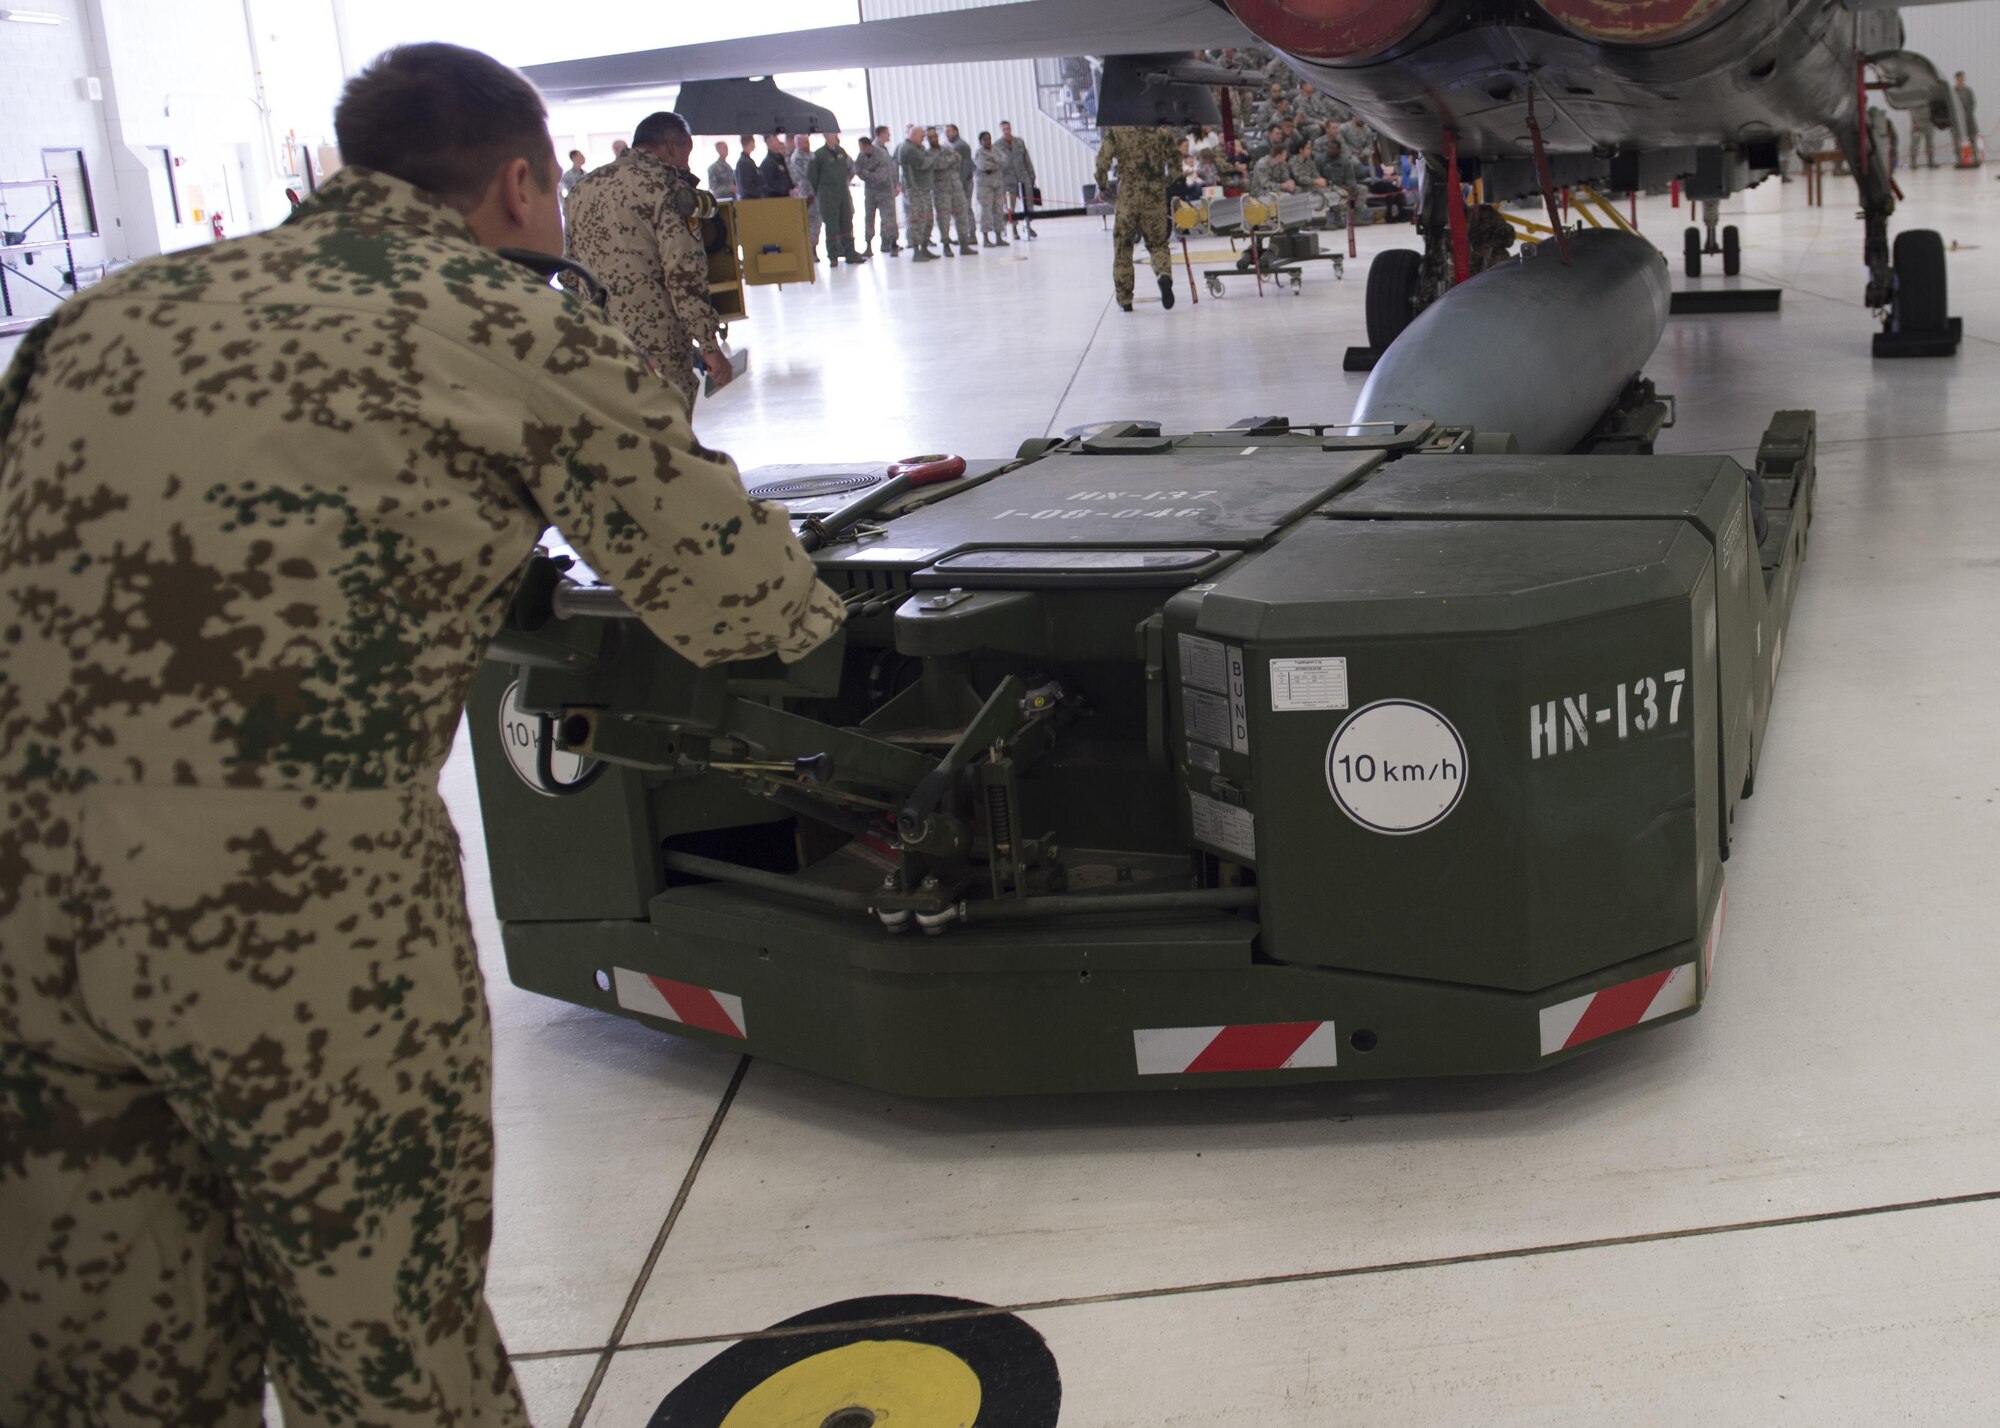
515,177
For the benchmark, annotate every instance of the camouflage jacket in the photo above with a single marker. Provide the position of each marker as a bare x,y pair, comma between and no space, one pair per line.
1270,174
262,504
877,170
1146,158
943,161
915,162
796,164
990,169
635,223
722,179
1014,154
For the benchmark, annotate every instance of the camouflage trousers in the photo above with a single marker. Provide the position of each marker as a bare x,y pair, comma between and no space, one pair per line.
1145,216
244,1113
917,203
952,208
813,224
878,203
992,209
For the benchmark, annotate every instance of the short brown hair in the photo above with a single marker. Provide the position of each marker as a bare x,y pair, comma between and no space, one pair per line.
443,118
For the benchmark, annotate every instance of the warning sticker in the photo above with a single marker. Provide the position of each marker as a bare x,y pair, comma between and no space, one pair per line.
1396,766
1224,826
1203,665
1207,717
1308,684
1201,756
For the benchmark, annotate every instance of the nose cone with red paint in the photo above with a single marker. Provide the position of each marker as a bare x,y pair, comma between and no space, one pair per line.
1632,22
1332,30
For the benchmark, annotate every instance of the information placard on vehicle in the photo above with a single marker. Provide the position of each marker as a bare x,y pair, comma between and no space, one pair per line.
1203,665
1224,826
1318,683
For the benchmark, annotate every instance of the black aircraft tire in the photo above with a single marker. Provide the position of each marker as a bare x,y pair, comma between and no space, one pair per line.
1693,247
1920,281
882,1351
1391,302
1732,251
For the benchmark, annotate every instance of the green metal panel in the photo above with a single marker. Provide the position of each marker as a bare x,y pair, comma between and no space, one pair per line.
1569,846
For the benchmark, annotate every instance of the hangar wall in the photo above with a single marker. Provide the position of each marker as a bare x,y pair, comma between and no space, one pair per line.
42,107
975,97
1963,36
182,129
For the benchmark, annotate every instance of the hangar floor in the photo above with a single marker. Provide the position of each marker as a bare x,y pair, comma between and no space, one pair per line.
1785,1210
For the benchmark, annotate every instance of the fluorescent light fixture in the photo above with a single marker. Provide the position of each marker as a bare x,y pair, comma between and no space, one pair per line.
31,17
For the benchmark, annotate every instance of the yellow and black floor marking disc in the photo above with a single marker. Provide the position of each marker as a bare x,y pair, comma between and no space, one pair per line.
888,1361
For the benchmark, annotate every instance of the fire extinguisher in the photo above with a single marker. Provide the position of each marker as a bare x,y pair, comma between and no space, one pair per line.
215,225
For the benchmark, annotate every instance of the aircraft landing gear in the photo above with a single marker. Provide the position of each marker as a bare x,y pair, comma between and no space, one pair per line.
1732,251
1691,246
1403,282
1906,284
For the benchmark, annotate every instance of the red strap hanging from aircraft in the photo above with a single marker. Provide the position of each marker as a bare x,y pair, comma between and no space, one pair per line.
1547,182
1454,198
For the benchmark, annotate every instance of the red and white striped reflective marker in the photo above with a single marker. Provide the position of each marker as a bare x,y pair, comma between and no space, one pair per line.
1628,1004
1262,1046
719,1012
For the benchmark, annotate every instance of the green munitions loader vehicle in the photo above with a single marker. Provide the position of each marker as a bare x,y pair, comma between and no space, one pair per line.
1271,754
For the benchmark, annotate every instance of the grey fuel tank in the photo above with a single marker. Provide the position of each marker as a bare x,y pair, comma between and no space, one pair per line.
1530,347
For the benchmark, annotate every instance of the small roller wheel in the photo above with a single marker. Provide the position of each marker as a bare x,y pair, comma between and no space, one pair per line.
1692,246
1215,287
1732,251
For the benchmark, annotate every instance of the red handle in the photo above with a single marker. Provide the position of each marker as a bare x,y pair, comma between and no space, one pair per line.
929,470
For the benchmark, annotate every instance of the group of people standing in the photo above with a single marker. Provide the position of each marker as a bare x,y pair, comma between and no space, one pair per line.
939,176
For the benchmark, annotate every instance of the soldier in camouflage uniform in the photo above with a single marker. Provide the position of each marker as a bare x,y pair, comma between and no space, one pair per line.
1147,161
262,504
1273,172
990,172
952,205
1489,236
919,192
1304,172
796,164
877,169
636,224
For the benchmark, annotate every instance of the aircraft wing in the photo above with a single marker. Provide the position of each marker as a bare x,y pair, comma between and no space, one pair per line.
1024,29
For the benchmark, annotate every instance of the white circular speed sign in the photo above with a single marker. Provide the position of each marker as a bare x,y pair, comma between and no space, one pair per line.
1396,766
518,734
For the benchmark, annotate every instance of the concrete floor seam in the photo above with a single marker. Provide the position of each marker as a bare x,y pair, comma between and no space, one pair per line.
1351,1272
660,1242
1076,371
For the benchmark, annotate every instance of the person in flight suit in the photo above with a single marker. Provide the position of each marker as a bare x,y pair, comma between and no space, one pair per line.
252,548
1147,160
828,174
636,225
